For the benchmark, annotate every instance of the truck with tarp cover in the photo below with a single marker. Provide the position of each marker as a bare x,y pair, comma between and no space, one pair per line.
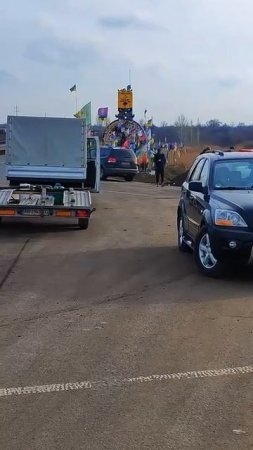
52,168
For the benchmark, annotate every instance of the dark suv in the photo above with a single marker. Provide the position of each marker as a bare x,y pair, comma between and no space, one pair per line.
118,162
215,212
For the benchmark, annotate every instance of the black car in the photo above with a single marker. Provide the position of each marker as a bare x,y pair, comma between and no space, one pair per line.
118,162
215,212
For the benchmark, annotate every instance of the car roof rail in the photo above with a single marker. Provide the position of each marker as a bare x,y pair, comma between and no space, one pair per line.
216,152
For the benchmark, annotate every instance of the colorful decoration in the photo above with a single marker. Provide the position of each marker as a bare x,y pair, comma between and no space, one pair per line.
127,134
103,113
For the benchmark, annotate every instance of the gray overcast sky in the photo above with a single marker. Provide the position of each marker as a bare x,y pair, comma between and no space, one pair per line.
186,56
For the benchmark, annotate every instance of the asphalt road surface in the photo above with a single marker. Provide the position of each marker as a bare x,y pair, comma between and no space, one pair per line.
110,339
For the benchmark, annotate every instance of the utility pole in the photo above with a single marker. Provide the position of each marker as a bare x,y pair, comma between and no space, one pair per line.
130,77
145,117
198,132
16,110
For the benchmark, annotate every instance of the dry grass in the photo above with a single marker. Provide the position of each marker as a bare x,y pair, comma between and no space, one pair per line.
183,157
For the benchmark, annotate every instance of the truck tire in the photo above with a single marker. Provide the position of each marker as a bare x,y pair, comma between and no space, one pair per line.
83,224
207,263
102,174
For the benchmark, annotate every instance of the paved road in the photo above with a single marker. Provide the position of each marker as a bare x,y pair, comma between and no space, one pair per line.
116,335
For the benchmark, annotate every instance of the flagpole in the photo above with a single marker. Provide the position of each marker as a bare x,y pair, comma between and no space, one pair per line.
76,101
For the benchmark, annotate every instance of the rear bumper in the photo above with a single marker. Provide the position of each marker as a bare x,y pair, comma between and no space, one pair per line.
222,237
120,172
45,173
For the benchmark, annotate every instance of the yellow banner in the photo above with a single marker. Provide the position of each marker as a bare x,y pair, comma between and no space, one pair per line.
125,99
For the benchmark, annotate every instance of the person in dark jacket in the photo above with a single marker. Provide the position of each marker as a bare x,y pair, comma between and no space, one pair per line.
159,162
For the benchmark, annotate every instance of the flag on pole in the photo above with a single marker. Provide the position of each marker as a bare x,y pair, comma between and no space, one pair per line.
73,89
103,113
85,113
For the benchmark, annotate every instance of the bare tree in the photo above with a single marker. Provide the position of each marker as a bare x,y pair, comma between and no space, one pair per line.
182,125
164,124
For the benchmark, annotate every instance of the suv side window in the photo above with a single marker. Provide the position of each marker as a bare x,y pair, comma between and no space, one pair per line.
193,167
204,173
195,176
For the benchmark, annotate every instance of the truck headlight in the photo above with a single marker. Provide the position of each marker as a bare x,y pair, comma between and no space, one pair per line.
226,218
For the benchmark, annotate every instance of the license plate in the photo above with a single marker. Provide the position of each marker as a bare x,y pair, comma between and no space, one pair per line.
34,212
125,164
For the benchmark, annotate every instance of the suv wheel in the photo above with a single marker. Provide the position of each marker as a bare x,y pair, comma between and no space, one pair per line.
206,262
129,177
182,246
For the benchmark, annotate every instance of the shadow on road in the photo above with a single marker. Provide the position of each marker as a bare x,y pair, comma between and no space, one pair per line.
128,276
23,228
115,180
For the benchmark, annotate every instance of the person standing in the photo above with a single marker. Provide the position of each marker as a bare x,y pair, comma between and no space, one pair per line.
160,162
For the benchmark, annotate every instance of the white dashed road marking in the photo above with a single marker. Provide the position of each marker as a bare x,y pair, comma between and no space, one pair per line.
81,385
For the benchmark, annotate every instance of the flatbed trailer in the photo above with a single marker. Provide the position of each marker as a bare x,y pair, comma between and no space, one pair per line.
52,166
35,201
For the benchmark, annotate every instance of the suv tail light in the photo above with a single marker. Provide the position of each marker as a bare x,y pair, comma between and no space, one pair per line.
112,160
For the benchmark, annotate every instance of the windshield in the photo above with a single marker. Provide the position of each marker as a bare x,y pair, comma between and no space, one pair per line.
233,174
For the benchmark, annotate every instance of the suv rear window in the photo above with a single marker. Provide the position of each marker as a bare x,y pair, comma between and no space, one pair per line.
122,153
104,152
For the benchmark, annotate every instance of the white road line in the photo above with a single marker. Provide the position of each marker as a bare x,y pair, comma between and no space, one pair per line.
81,385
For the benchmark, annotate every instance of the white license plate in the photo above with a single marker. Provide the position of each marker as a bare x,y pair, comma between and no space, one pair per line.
34,212
125,164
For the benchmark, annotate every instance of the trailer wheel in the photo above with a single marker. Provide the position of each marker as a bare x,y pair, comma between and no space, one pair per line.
83,223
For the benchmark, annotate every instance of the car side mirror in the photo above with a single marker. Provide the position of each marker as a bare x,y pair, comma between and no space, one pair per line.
197,186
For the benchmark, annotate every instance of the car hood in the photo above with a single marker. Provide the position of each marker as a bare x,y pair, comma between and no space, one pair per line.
240,201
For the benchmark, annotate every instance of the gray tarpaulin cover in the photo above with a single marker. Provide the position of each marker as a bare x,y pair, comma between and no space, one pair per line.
40,141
